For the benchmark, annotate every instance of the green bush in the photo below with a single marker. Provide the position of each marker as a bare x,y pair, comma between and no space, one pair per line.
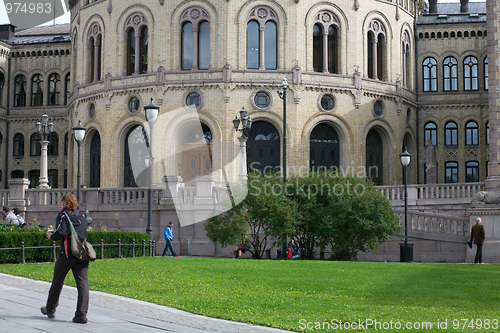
111,237
12,237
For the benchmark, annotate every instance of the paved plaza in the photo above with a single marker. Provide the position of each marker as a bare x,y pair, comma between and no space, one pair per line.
21,298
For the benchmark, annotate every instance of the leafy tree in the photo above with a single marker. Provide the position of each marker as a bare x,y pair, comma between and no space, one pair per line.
265,213
354,216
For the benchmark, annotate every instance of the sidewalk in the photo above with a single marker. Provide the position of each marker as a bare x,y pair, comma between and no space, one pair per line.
21,299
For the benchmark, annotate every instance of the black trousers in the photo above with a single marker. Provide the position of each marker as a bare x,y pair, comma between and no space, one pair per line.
479,254
80,270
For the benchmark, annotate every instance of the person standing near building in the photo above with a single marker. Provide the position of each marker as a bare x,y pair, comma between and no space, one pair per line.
168,238
477,234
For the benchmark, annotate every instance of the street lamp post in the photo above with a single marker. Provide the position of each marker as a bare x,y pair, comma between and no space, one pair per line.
246,124
79,132
151,112
282,95
44,128
406,250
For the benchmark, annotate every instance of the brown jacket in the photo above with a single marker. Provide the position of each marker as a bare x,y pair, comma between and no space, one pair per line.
477,234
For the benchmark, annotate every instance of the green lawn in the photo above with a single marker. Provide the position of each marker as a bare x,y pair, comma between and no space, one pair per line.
294,294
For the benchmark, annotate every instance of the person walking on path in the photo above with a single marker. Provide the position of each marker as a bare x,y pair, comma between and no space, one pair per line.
477,234
67,261
168,238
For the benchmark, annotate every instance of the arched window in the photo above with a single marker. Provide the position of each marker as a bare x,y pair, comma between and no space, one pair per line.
18,145
472,171
451,172
430,132
54,89
136,33
324,148
53,178
195,49
450,74
451,134
471,134
485,67
325,43
35,149
37,90
66,88
263,148
20,91
376,50
53,147
405,58
34,177
95,161
136,149
470,73
95,52
262,39
17,174
429,68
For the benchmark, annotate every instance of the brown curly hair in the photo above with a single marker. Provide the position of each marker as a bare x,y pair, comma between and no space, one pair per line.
70,201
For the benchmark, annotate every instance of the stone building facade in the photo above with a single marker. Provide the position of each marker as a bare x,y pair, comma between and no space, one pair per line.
356,94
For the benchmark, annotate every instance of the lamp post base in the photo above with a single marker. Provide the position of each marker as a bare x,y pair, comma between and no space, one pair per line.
405,252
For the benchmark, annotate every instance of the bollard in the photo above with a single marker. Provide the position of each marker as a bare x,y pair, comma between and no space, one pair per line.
22,253
322,254
53,251
133,248
278,254
102,248
119,248
268,253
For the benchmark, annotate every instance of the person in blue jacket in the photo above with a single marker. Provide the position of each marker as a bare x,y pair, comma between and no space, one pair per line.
168,238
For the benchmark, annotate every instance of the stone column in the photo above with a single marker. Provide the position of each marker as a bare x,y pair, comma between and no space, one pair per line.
96,58
493,16
195,47
262,58
325,51
44,179
374,57
137,64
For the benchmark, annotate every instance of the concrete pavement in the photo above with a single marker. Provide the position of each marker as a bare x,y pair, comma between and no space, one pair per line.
21,299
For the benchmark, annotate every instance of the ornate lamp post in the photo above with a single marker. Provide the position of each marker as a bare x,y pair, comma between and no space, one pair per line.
44,128
406,250
151,111
246,124
282,95
79,132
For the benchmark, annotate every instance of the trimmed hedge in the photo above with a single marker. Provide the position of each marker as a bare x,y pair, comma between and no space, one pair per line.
11,237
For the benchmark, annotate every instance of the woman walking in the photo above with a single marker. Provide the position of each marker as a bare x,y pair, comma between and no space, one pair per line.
67,261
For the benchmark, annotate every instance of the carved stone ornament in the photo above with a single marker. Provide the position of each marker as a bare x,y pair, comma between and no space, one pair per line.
195,13
483,198
262,13
326,17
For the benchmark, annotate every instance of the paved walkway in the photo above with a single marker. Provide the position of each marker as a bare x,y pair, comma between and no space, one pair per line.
21,298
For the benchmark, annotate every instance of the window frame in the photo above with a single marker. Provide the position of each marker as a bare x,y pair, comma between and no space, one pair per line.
450,64
470,79
452,171
429,77
451,134
472,134
432,133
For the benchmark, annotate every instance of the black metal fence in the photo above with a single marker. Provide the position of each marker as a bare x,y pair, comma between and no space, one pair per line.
100,246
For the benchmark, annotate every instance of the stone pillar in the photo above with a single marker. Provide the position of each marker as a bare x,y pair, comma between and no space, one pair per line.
493,16
325,50
243,157
17,194
171,186
262,55
96,58
204,190
44,179
490,217
374,57
137,46
195,47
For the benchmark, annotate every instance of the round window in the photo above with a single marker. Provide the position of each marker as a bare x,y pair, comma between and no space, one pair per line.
193,100
327,102
377,108
262,100
133,104
92,111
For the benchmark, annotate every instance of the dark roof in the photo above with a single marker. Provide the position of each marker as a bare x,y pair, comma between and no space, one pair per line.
43,34
449,13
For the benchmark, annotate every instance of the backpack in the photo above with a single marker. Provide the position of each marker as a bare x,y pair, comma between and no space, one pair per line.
80,248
